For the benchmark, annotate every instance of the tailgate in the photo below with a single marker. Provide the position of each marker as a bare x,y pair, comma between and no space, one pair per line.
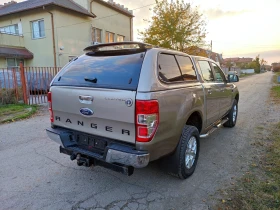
103,112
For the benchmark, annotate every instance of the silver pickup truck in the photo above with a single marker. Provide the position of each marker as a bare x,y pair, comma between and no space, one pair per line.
123,105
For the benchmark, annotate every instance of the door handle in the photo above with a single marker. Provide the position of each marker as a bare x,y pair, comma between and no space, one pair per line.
86,99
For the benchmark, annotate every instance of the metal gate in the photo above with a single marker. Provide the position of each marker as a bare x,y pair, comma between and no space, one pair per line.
29,85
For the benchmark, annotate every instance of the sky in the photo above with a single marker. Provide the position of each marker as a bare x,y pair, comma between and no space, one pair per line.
239,28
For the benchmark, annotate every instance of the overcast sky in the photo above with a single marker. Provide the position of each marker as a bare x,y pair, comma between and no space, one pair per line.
237,28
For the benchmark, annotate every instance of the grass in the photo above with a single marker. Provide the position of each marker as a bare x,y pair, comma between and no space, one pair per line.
276,75
14,112
259,188
245,75
275,90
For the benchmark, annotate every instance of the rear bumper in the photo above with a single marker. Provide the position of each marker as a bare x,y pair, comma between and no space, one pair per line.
114,153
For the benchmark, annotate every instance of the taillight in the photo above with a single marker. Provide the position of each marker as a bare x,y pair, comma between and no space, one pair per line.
147,119
50,106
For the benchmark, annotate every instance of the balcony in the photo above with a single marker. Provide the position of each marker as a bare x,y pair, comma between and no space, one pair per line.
11,40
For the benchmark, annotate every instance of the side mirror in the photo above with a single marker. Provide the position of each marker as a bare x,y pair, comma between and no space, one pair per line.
233,78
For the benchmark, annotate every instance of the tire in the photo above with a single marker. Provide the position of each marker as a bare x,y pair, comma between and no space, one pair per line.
176,163
232,115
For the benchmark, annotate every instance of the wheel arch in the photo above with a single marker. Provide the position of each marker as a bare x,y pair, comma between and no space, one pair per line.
237,97
195,119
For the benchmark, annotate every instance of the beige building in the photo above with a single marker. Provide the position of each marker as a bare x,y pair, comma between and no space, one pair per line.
49,33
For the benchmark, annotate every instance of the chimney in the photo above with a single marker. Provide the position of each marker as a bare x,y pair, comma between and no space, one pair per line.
120,6
9,3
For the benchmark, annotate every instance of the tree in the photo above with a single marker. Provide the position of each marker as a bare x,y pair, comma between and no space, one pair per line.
263,63
257,64
175,26
194,50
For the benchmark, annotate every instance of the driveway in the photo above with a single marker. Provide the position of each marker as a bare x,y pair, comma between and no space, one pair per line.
34,175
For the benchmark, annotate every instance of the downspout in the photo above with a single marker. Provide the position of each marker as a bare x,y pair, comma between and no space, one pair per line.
131,29
53,37
91,24
90,6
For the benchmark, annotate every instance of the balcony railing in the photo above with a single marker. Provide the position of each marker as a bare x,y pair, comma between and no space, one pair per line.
12,40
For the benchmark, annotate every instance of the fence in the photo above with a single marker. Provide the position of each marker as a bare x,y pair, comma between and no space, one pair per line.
27,84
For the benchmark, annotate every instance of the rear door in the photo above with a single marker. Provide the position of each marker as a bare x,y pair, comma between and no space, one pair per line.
212,92
96,93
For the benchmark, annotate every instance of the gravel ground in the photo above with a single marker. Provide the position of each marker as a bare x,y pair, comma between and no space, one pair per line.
34,175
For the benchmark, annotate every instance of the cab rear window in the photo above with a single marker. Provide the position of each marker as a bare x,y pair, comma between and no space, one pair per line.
115,72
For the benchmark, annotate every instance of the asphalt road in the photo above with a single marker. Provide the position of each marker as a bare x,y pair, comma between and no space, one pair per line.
34,175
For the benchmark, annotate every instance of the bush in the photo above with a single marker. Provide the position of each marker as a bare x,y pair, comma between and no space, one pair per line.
8,96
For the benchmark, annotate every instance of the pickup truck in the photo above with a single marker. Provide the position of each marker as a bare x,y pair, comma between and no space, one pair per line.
122,105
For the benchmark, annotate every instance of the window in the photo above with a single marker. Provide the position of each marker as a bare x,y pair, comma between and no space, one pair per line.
96,35
219,76
120,38
168,69
116,72
110,37
206,71
12,29
186,66
14,62
38,29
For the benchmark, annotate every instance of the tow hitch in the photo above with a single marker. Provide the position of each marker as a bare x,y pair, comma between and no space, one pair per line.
81,161
87,160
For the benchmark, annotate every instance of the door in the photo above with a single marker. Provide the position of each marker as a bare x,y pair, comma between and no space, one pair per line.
224,88
212,93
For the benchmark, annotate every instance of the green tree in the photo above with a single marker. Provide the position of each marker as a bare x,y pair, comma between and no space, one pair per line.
175,26
257,64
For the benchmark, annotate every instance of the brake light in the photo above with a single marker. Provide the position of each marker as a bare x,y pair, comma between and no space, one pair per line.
147,120
50,106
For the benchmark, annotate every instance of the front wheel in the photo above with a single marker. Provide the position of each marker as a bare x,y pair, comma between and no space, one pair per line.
183,162
232,115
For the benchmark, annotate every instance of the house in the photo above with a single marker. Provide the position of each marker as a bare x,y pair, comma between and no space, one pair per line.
49,33
236,60
276,67
267,67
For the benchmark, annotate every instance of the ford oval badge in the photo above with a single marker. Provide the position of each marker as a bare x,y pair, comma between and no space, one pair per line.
86,111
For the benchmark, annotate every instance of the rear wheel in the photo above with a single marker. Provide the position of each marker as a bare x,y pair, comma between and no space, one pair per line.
183,162
232,115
